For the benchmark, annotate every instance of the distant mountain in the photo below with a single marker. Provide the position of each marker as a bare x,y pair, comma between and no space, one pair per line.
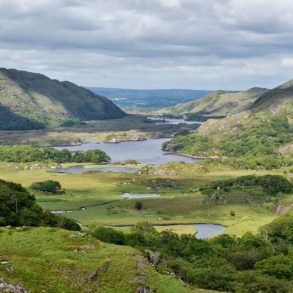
31,100
133,98
217,104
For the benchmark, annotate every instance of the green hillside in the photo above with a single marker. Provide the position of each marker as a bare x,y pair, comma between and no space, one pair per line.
259,138
215,105
40,101
54,260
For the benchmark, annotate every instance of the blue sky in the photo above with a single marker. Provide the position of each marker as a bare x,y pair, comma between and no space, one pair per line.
197,44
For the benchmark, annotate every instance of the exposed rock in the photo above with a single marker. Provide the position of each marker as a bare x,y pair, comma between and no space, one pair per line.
142,289
6,287
103,269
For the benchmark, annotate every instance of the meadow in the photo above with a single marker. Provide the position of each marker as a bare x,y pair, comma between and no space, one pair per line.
95,198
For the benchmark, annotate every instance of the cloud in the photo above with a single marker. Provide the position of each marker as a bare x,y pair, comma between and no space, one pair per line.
156,43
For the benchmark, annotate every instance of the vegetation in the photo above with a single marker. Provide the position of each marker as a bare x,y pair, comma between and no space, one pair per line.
19,208
26,153
39,101
48,186
252,263
270,184
253,143
59,261
217,104
138,205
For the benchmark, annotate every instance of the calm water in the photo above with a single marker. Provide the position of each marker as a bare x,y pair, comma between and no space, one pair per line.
173,121
208,230
144,152
204,231
140,195
82,169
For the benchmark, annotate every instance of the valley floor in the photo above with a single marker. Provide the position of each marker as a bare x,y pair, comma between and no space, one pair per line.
95,198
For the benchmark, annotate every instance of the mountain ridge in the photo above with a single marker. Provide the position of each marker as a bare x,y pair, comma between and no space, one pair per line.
217,104
50,102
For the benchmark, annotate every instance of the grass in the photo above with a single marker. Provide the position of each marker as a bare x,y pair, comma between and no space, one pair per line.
180,201
53,260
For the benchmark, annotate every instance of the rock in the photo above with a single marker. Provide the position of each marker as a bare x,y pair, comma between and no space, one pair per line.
6,287
142,289
9,269
94,276
103,269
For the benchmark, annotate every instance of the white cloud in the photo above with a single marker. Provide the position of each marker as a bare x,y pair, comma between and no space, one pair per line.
155,43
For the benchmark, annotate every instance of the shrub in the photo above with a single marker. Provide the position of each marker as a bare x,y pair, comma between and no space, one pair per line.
48,186
138,205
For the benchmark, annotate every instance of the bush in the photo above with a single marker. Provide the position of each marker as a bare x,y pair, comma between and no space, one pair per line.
48,186
108,235
138,205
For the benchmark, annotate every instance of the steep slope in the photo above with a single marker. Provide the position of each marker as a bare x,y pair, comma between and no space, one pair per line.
216,105
259,138
51,102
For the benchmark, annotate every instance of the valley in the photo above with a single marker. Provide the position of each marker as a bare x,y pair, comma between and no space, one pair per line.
180,205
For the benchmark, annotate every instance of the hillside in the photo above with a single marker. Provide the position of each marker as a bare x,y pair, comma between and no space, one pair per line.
260,137
277,99
32,100
54,260
217,104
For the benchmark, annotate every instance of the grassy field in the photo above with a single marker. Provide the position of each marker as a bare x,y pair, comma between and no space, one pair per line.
53,260
95,198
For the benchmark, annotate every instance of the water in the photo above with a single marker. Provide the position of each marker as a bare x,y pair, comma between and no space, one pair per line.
204,231
82,169
208,230
144,152
140,195
173,121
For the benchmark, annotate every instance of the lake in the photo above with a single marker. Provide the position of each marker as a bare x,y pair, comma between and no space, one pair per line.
83,169
208,230
173,121
145,152
204,231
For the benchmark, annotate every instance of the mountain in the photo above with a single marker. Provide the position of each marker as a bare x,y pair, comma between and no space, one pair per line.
135,98
260,137
277,99
32,100
217,104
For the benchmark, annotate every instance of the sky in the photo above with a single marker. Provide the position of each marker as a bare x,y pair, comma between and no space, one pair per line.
195,44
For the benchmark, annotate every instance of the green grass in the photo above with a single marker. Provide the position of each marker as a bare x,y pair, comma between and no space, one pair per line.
180,201
53,260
